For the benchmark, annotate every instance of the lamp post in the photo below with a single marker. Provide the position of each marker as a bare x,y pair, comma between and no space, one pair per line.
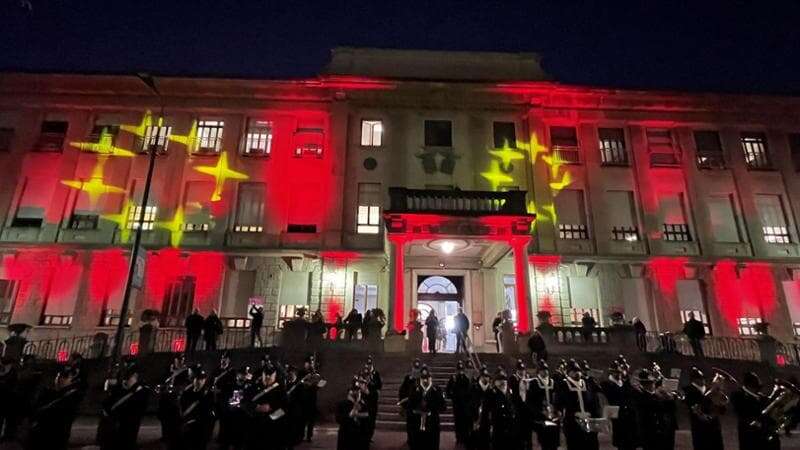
152,150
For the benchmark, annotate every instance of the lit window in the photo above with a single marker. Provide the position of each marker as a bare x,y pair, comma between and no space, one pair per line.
661,148
673,217
365,297
369,211
612,147
564,141
754,146
250,208
110,318
630,234
308,142
709,150
155,136
287,312
796,329
747,325
371,133
571,214
677,232
774,225
576,315
149,218
258,139
209,136
572,231
698,315
83,222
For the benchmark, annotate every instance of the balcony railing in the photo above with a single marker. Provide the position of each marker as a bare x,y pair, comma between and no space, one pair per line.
736,348
456,202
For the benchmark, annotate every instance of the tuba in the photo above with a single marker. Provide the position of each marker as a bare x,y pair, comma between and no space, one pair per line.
775,417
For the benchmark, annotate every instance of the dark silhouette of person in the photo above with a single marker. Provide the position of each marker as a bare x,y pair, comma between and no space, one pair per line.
353,323
641,334
695,331
588,325
256,321
461,322
212,329
431,328
194,328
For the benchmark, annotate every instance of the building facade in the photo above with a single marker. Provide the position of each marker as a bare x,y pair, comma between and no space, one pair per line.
401,180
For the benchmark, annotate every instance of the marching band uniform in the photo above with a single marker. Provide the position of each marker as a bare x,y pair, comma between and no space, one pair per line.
234,418
8,390
168,412
375,384
480,412
266,404
458,390
576,398
504,420
703,414
424,405
295,416
748,403
53,414
222,382
541,401
122,411
352,417
619,392
520,384
408,386
656,411
196,405
312,381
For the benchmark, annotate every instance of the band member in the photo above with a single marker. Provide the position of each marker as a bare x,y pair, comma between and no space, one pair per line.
748,402
424,405
27,389
578,401
370,397
375,384
122,411
8,390
541,402
656,412
234,418
520,383
222,383
312,382
294,395
504,432
266,405
704,411
168,411
54,412
196,404
480,399
619,392
408,385
352,417
458,390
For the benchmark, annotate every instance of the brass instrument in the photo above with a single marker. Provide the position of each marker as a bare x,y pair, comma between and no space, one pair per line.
661,391
311,379
775,417
592,424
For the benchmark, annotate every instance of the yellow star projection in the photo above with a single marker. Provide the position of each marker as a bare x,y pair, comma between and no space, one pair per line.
121,220
95,187
536,148
139,130
496,176
565,181
175,227
507,155
104,145
221,172
188,139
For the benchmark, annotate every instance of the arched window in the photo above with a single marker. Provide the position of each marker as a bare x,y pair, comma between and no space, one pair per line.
437,285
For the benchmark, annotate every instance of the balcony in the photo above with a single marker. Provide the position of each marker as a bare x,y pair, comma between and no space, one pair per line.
457,203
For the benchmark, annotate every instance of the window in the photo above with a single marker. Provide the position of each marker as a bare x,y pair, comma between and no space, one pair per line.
36,194
51,138
250,208
110,318
308,142
754,146
510,296
622,211
196,212
287,312
746,325
794,148
773,218
571,214
709,150
371,133
258,138
178,301
576,315
661,148
369,208
699,315
6,135
135,214
209,136
301,228
157,136
365,297
722,215
438,133
59,304
612,147
105,135
83,221
673,217
564,141
505,135
8,295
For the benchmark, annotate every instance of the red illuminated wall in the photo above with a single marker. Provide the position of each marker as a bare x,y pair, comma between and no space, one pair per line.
165,266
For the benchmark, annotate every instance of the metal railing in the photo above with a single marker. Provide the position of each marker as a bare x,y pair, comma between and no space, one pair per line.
722,347
577,335
457,202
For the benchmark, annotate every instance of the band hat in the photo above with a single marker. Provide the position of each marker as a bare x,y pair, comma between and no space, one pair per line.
645,376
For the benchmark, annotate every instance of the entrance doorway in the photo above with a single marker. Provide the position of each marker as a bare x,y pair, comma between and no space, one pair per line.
442,295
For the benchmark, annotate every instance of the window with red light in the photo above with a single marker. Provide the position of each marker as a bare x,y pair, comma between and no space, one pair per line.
250,208
258,138
371,133
197,214
622,213
209,136
8,296
308,142
756,155
6,136
661,148
571,215
673,217
774,224
178,301
709,154
51,137
723,217
612,147
36,193
155,137
368,216
564,143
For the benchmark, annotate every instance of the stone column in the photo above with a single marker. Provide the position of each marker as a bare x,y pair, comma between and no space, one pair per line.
396,285
521,277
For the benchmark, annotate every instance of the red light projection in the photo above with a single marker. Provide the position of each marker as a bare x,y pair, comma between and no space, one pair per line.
335,308
162,267
178,345
134,348
726,291
666,272
166,265
519,247
45,270
399,283
107,272
545,263
62,356
207,268
758,285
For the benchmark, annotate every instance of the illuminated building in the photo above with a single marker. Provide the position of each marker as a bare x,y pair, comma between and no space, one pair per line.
399,179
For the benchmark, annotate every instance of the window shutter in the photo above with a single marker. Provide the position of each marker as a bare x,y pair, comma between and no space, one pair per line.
722,217
570,208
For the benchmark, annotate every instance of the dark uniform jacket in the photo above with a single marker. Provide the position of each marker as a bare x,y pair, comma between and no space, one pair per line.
543,392
704,420
267,430
753,431
657,419
121,415
52,418
352,429
624,430
458,391
423,408
571,395
197,417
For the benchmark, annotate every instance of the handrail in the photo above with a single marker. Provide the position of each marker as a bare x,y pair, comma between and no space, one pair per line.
473,355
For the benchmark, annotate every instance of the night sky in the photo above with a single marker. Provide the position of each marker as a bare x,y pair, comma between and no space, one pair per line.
725,46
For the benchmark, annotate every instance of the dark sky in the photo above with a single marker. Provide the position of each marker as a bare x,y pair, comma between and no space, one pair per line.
729,46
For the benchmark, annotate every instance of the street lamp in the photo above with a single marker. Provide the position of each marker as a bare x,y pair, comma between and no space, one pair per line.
149,81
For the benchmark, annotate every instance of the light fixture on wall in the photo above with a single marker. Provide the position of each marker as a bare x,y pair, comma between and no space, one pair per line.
447,247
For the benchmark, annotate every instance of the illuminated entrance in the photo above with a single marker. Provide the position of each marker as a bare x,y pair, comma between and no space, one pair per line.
442,295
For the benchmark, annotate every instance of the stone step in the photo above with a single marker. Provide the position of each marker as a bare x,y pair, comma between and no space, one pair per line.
399,424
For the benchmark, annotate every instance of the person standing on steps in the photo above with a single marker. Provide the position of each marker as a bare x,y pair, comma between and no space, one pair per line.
458,391
588,324
424,406
352,324
496,323
312,381
256,321
375,384
408,386
431,329
541,401
480,411
461,322
352,417
194,328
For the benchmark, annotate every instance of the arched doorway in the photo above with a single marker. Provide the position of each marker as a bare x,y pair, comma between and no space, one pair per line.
442,294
